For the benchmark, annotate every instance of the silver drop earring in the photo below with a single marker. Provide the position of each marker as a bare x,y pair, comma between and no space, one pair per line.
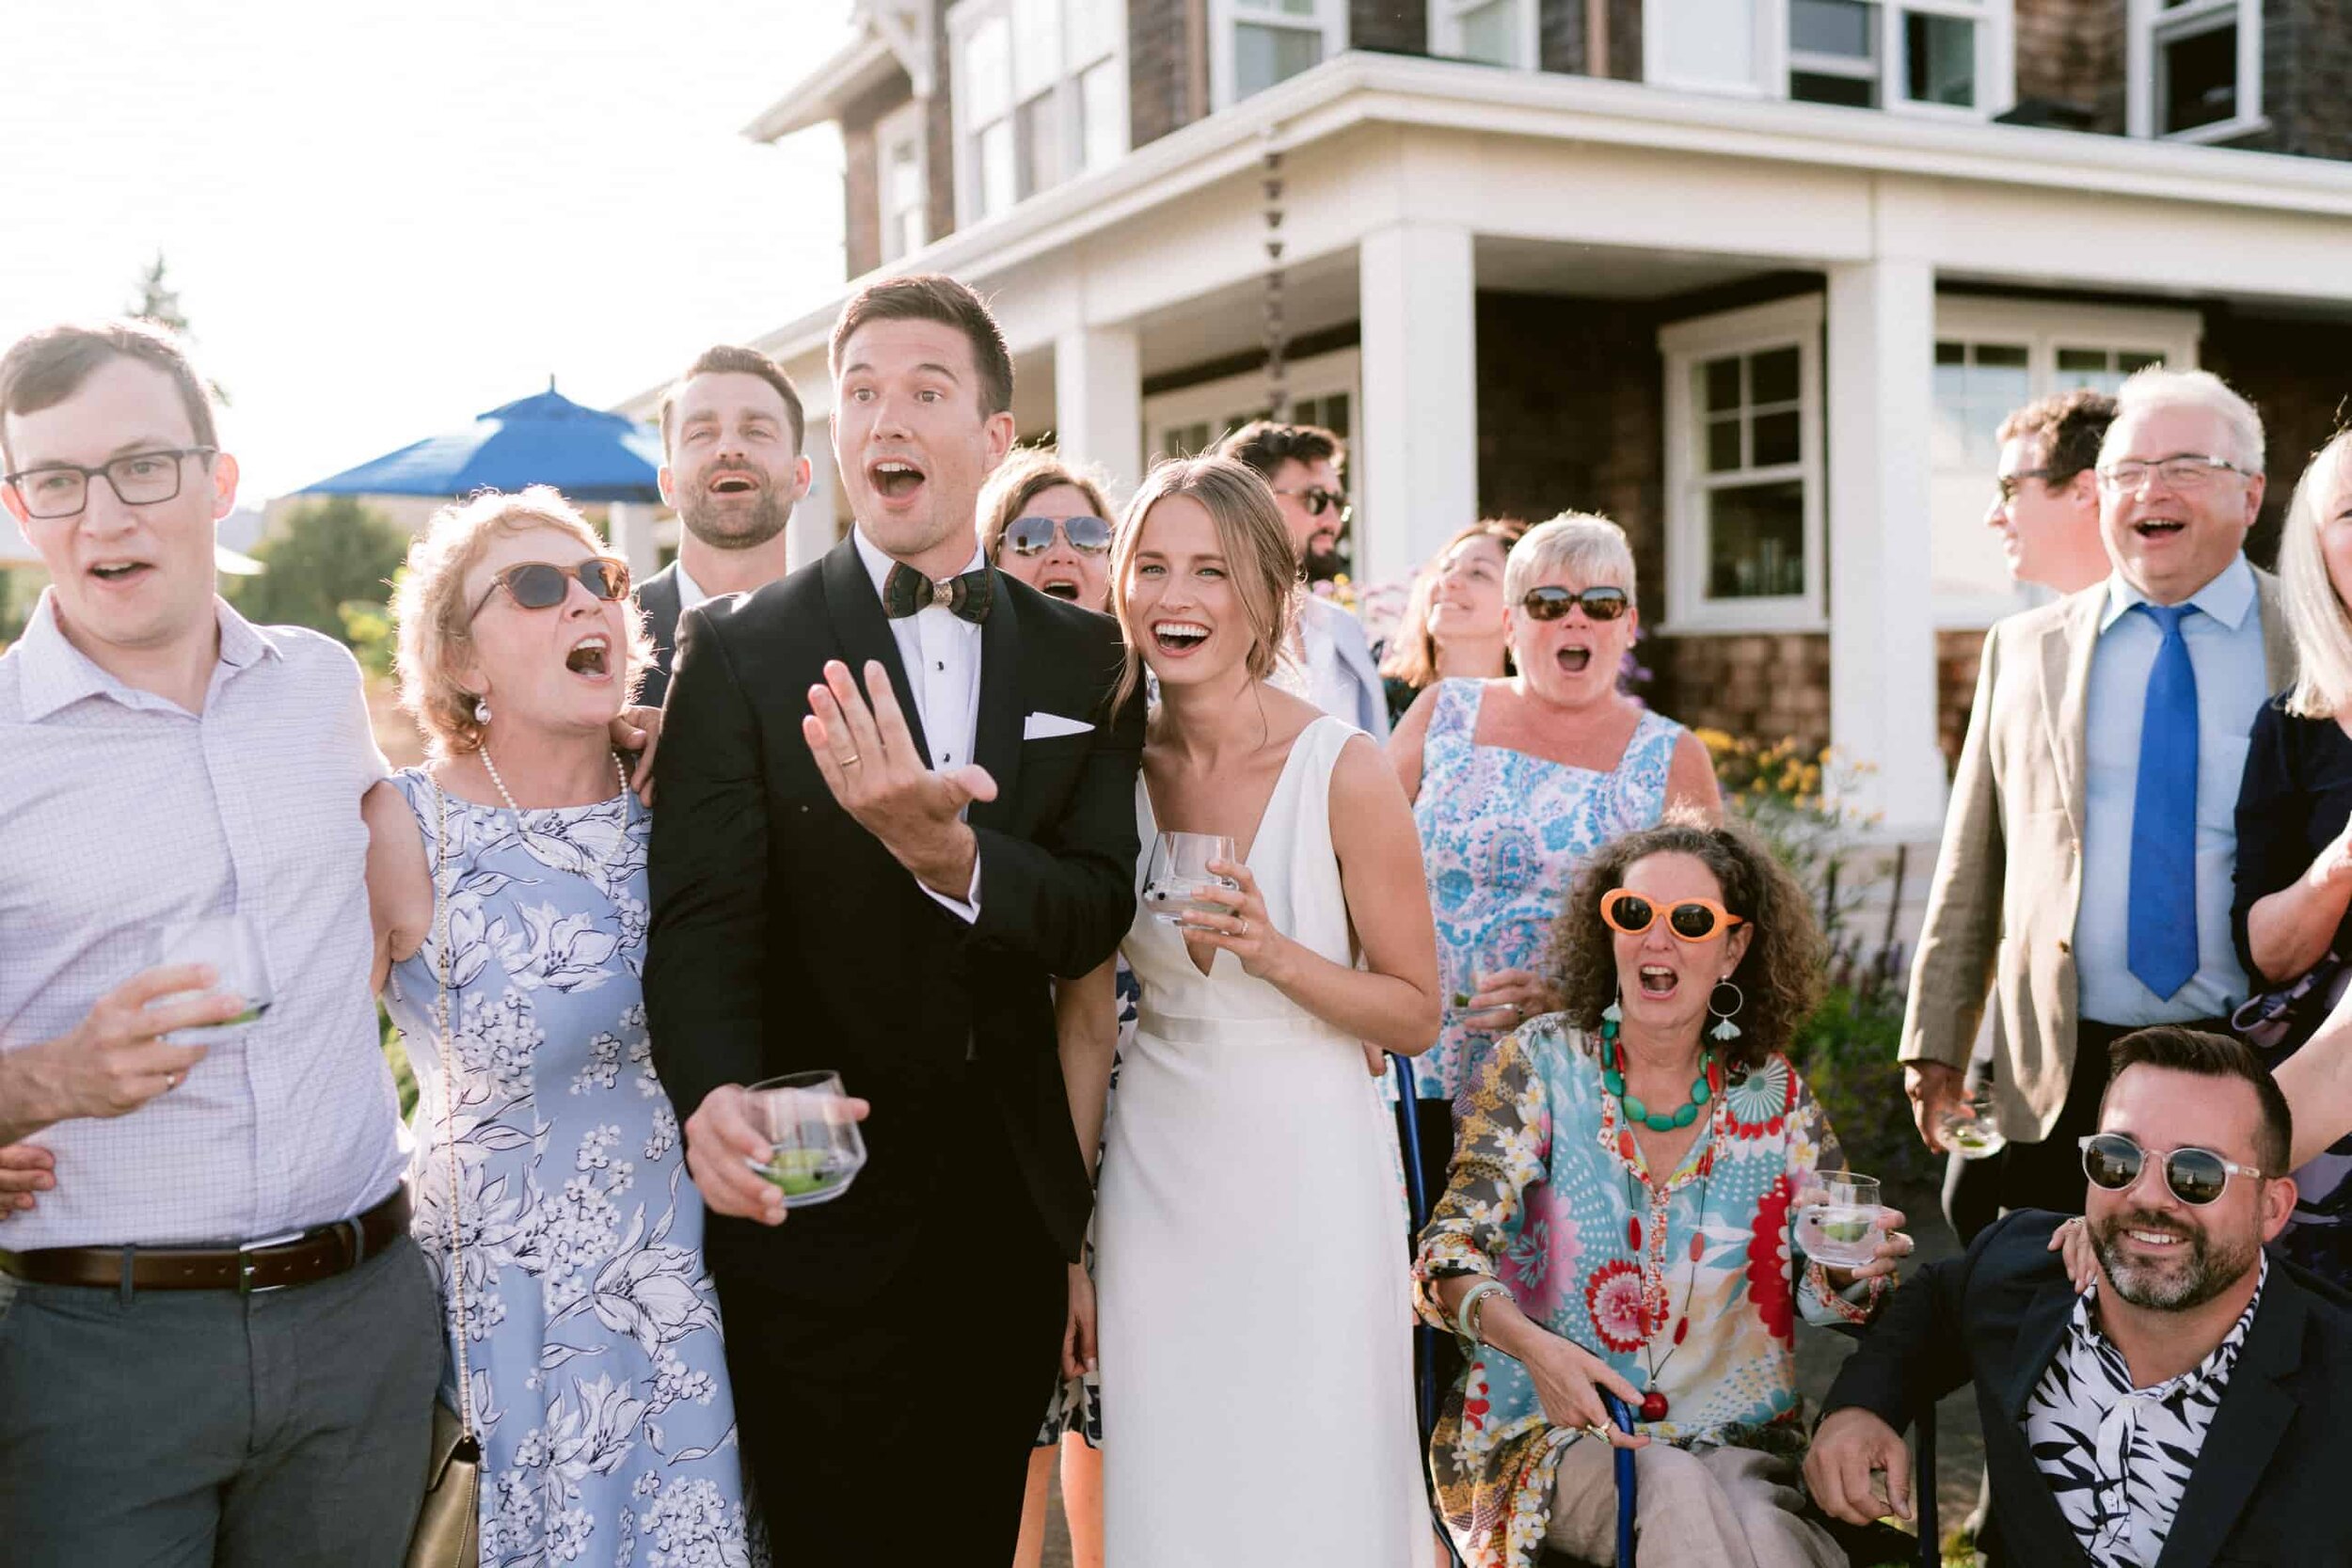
482,710
1725,1029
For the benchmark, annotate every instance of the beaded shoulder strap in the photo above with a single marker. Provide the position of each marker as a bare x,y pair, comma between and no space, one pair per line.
449,1098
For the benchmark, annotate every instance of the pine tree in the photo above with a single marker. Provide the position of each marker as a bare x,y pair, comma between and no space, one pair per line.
159,303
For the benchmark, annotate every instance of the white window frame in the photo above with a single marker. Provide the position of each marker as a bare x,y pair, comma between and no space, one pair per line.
2043,327
1783,324
1996,58
1445,32
903,126
965,18
2149,22
1329,20
1220,404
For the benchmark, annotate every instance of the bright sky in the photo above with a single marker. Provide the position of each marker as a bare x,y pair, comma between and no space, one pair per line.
384,219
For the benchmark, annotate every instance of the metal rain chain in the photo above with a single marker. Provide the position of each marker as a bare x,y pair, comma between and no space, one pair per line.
1277,334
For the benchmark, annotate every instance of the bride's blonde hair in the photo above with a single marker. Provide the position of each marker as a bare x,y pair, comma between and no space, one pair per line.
1249,533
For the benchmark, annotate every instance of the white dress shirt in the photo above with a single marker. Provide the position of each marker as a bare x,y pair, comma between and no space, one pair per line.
690,592
940,653
2225,649
125,810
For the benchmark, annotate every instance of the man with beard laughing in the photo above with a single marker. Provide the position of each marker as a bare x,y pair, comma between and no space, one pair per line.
732,468
2188,1404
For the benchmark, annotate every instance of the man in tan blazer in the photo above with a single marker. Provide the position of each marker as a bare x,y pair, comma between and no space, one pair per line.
2077,883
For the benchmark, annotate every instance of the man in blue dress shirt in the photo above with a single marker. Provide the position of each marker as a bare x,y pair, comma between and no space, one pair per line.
2084,875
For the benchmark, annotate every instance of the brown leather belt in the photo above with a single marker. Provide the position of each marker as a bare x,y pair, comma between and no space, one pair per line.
303,1260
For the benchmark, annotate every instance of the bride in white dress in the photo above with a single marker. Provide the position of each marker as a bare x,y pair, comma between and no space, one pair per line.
1254,1328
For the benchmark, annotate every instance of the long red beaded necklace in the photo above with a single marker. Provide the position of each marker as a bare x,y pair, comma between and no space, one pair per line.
1653,1317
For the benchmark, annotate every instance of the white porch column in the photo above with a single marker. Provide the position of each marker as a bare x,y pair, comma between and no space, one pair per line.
630,531
1414,463
809,534
1882,635
1098,402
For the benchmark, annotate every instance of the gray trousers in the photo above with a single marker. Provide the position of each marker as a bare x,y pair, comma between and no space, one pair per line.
202,1427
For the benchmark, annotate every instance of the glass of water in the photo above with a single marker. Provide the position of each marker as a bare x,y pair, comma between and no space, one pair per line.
1971,1130
232,946
1179,873
1843,1231
815,1150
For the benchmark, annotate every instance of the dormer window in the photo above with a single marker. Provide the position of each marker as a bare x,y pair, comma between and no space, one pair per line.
1040,96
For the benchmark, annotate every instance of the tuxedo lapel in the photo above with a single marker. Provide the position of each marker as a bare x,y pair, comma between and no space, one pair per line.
862,632
2252,1418
996,738
2066,649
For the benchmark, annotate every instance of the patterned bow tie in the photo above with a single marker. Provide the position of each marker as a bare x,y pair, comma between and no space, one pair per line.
907,591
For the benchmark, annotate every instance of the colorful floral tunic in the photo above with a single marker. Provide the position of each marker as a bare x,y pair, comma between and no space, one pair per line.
1551,1194
599,1375
1502,834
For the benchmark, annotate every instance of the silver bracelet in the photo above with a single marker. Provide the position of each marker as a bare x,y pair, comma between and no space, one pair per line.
1470,1297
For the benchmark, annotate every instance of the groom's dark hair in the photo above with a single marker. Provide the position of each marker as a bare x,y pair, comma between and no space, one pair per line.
934,296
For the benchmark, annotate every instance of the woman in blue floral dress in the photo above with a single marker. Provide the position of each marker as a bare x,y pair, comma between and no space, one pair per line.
591,1334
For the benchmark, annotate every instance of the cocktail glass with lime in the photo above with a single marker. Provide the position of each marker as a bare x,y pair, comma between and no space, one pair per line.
815,1148
232,946
1843,1231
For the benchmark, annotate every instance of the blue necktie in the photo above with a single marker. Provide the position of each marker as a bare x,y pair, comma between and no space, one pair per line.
2161,948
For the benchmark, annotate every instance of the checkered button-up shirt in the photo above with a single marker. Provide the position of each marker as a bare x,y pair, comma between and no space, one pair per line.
121,810
2117,1457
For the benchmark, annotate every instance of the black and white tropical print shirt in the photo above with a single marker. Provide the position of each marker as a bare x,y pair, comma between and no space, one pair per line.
2118,1458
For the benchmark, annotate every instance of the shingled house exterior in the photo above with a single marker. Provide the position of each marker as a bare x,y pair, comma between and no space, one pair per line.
1755,277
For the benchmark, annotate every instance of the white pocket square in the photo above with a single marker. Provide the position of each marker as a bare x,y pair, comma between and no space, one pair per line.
1045,726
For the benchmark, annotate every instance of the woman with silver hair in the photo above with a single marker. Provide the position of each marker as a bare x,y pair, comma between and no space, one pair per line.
508,880
1515,778
2293,911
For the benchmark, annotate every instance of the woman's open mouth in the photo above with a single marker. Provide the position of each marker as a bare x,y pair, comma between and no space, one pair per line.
1179,637
1059,587
1658,982
1575,661
591,657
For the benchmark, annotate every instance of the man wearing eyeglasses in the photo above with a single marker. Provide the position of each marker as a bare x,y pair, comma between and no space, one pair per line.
2085,873
2183,1399
2045,502
1300,463
222,1345
732,468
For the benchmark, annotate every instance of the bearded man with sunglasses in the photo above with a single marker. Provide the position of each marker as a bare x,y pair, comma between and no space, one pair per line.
2190,1401
1300,463
2085,880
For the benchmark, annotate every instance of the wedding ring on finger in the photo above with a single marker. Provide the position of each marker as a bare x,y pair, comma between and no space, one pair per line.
1597,1433
851,760
1244,926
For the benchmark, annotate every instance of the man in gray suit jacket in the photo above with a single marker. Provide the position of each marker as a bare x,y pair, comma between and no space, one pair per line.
2084,875
1301,465
731,467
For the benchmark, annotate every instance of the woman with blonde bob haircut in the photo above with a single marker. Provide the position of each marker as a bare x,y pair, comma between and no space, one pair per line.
1247,1232
2292,909
508,882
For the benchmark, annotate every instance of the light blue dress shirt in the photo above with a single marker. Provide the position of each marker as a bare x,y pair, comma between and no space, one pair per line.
2225,645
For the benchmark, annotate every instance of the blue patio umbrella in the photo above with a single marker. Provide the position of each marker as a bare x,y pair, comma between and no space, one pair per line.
546,440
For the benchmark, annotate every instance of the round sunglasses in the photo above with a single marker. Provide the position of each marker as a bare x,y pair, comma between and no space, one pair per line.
1035,535
538,585
2196,1175
1549,603
1692,919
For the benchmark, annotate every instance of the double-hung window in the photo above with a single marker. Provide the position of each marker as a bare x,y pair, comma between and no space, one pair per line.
903,185
1040,96
1929,57
1492,32
1254,44
2195,69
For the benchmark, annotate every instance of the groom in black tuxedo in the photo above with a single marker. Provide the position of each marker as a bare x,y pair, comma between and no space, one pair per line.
895,804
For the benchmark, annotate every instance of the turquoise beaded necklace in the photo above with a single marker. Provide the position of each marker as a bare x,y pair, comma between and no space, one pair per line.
1613,1078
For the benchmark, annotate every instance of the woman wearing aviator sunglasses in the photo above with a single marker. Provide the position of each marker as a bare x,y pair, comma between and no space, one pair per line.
1045,522
1514,780
1620,1217
509,884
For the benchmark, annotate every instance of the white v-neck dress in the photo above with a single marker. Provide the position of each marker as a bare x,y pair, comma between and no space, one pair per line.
1251,1262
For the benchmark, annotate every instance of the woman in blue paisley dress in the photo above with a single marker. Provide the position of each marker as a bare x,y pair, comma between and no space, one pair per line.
1514,781
591,1330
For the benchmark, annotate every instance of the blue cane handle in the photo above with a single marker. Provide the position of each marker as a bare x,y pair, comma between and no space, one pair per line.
1622,1413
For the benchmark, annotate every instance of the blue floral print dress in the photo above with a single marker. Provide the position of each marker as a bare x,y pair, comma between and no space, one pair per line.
598,1376
1502,836
1691,1284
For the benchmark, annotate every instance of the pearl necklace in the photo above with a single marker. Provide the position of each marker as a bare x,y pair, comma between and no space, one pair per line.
507,794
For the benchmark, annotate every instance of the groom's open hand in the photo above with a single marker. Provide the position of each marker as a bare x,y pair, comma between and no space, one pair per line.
867,756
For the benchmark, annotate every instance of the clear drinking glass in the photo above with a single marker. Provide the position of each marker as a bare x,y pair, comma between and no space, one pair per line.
1971,1130
1842,1232
1179,871
815,1148
232,944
